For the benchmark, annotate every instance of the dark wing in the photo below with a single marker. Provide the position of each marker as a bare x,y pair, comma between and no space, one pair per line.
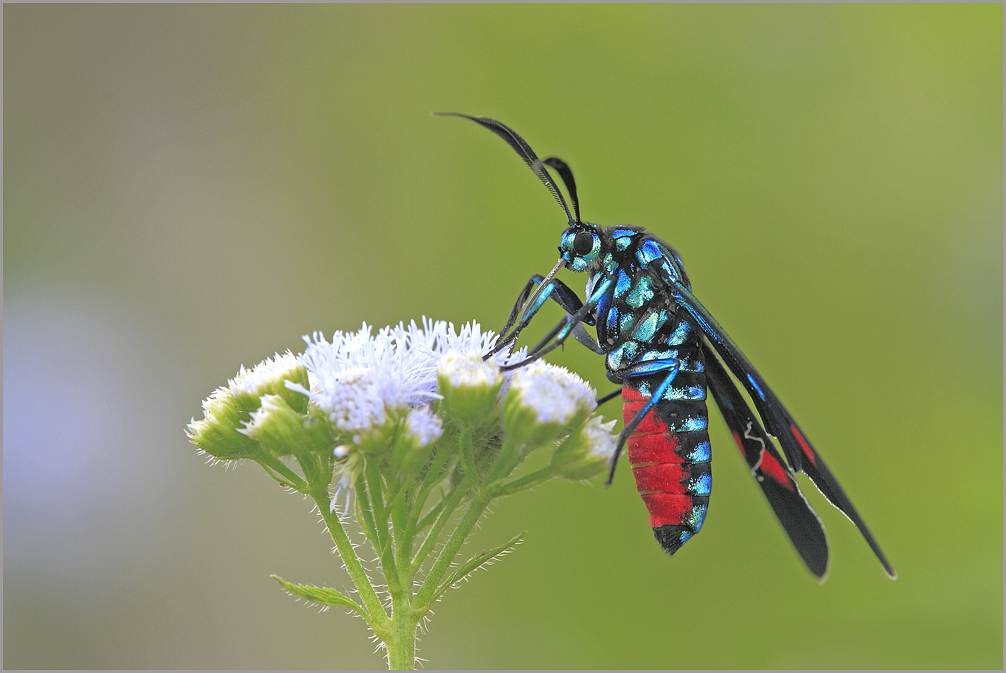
777,482
801,455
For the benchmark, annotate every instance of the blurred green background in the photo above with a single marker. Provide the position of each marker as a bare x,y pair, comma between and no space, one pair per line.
191,188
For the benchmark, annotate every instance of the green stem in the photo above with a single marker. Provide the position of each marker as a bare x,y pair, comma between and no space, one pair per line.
435,472
428,592
510,457
525,482
402,542
445,514
467,451
275,468
434,475
401,636
376,491
429,517
364,512
377,618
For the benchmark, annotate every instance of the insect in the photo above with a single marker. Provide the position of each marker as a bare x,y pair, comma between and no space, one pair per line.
665,349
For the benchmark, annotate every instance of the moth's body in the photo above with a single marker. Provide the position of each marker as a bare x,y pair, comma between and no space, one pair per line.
665,349
640,330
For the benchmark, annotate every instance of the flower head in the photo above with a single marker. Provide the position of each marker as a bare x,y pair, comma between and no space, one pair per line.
469,384
587,452
361,380
356,378
545,400
228,408
423,427
275,425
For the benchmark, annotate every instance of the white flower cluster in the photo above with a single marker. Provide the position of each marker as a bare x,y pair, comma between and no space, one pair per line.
389,396
358,378
423,426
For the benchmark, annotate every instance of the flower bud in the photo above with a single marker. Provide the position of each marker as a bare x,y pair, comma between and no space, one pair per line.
228,409
469,386
219,437
276,426
588,452
419,432
270,377
545,402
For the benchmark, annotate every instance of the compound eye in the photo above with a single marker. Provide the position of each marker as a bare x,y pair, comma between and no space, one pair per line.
583,243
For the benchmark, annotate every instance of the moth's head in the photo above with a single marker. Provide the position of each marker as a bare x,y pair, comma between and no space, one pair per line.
580,246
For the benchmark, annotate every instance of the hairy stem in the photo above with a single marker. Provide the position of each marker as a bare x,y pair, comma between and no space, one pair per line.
377,618
401,638
427,593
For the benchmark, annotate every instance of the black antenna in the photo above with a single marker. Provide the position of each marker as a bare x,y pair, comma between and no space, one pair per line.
566,173
528,155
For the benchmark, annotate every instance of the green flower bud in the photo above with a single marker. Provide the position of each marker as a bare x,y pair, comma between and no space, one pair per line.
586,453
469,387
270,377
413,445
218,436
276,426
228,409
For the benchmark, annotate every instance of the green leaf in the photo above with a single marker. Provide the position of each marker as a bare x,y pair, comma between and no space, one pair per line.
319,595
478,561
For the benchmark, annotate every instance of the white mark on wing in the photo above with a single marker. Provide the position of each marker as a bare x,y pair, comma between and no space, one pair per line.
761,453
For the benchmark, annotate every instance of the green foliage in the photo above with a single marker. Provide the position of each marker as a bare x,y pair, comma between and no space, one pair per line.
319,595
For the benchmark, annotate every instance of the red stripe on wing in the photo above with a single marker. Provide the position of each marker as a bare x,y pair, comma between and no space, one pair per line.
807,451
740,443
771,467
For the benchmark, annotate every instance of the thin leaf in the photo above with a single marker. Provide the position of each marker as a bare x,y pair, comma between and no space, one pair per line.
320,595
478,561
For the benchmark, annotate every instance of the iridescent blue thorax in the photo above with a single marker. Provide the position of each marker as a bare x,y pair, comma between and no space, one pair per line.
630,276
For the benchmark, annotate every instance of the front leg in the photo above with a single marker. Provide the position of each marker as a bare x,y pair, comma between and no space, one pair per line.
571,324
558,292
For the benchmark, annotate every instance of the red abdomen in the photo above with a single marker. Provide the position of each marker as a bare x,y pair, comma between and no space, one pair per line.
669,455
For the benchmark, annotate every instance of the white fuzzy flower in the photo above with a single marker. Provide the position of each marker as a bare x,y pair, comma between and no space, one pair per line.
468,370
358,378
423,426
600,441
587,453
264,377
554,394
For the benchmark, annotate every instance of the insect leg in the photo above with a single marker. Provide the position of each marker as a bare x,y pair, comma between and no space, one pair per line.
558,292
610,396
504,339
568,325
